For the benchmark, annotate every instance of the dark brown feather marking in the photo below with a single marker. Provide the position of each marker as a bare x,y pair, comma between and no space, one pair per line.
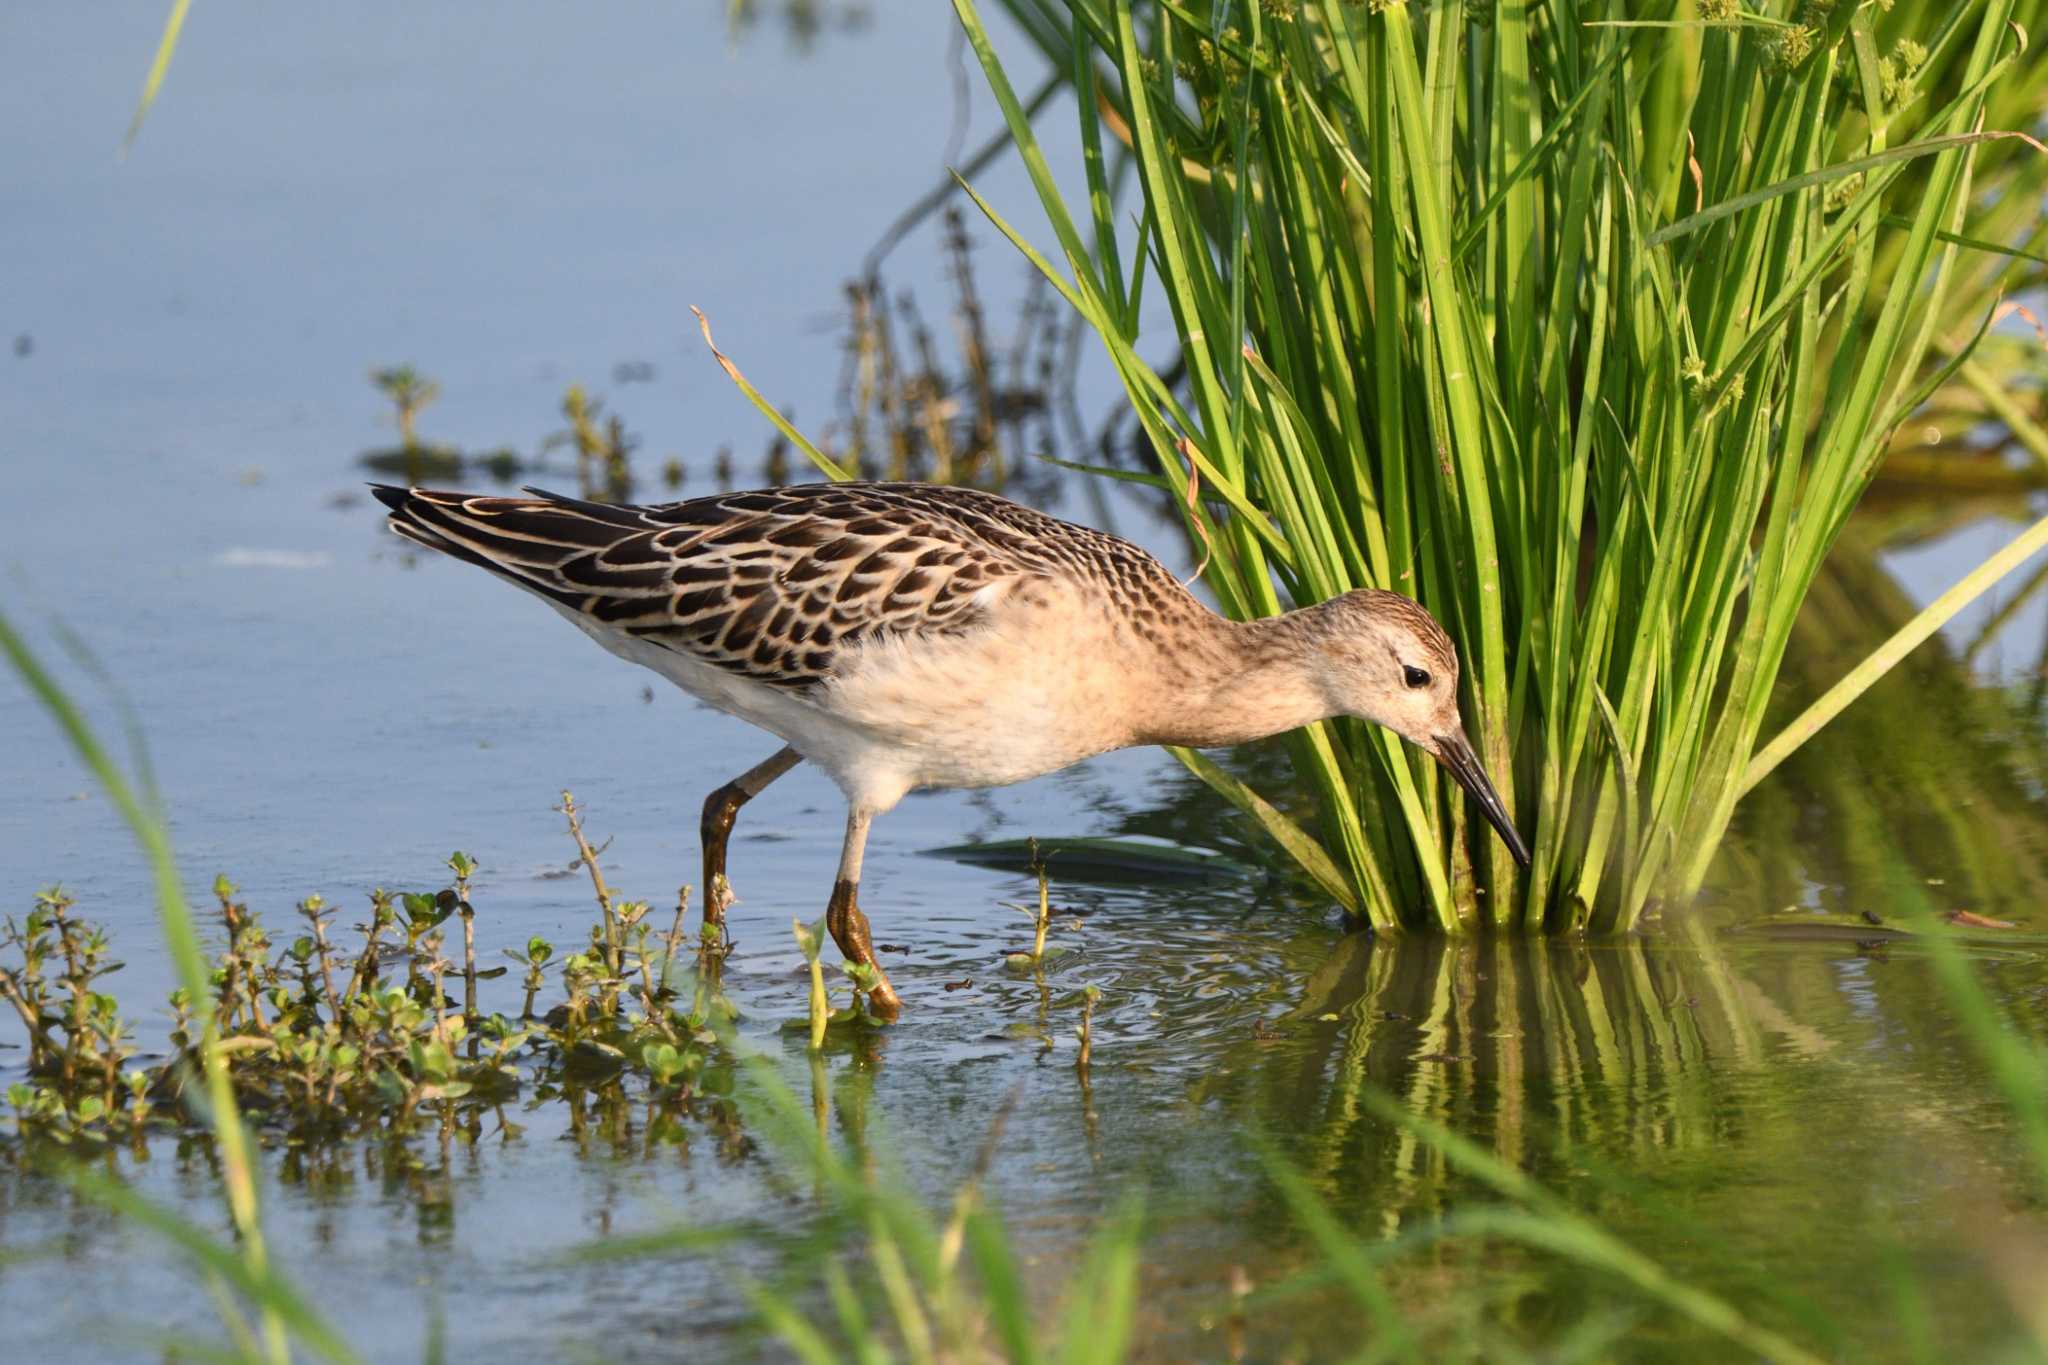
779,584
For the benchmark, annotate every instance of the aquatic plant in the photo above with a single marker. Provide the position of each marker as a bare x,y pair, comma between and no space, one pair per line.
1040,914
604,450
1085,1034
324,1044
410,392
1587,329
245,1268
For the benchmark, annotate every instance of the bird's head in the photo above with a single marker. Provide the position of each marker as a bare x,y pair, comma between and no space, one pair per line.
1382,658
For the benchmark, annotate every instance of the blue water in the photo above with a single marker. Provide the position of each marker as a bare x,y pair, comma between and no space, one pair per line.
516,197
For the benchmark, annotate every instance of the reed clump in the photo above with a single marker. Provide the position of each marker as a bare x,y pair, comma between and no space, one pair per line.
1585,325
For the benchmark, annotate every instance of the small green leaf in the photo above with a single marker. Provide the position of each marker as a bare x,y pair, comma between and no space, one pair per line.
807,937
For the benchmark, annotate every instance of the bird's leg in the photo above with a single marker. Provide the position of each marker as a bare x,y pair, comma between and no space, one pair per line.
849,926
721,808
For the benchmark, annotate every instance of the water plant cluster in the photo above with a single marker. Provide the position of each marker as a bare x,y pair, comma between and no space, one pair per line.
329,1038
1502,305
602,445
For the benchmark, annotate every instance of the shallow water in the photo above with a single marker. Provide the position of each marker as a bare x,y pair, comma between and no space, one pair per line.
1791,1121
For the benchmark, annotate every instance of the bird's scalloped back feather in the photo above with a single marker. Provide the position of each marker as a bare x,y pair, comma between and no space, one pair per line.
776,584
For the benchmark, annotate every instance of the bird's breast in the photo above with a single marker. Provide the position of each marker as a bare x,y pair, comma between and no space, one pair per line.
1036,687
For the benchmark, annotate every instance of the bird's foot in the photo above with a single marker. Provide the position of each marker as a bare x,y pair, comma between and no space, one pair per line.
883,1002
849,929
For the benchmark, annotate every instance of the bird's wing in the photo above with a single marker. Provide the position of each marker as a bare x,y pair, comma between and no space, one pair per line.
775,585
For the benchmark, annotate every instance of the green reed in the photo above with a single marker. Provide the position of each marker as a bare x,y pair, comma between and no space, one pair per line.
1586,328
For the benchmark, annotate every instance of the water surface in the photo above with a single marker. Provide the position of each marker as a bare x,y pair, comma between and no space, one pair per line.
514,203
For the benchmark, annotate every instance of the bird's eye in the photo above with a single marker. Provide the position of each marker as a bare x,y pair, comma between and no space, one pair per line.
1414,676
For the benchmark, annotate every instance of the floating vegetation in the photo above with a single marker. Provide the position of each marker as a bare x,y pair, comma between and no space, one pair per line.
603,447
443,464
328,1042
803,21
409,392
1040,915
416,461
1085,1034
820,1015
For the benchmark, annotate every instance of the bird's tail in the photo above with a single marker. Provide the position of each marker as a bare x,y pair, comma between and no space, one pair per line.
564,549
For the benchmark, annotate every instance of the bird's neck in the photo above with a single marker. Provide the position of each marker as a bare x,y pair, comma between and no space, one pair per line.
1236,681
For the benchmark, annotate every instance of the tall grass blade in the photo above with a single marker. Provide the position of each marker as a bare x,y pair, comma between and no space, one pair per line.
159,67
1886,656
238,1172
825,463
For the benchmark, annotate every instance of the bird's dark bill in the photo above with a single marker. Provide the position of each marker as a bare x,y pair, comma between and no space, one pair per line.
1455,751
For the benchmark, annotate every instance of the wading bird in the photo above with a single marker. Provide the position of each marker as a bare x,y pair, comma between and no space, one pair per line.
904,635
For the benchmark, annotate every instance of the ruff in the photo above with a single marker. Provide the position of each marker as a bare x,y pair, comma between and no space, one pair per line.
904,635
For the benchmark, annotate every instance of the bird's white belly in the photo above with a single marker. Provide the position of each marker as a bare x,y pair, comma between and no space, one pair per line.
776,710
974,710
978,710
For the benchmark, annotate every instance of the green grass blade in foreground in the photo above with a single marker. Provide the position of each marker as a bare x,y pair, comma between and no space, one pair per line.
988,1242
1585,1243
1885,657
1546,1221
1345,1255
913,1296
238,1172
780,1316
1103,1294
259,1285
